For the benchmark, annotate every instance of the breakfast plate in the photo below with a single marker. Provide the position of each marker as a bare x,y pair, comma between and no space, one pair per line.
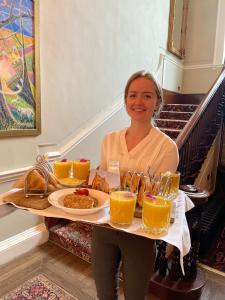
56,199
71,182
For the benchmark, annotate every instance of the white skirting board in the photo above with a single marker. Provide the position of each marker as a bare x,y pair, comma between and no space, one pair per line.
23,242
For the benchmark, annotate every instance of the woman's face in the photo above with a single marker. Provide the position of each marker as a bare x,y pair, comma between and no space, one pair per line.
141,101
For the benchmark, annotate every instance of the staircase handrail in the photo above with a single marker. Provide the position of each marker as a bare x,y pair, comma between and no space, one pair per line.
199,111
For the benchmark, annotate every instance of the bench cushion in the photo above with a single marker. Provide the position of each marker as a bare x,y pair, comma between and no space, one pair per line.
74,237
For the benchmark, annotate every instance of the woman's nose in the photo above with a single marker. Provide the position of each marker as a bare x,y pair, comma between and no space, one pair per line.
139,99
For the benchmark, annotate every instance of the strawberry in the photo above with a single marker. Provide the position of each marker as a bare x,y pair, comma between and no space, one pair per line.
83,160
64,160
81,192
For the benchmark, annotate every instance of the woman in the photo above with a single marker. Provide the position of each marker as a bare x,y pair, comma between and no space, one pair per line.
137,148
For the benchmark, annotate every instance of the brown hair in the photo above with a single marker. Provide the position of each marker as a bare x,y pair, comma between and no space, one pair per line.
147,75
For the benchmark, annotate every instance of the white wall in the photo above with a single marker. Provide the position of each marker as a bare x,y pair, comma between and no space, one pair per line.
204,45
88,49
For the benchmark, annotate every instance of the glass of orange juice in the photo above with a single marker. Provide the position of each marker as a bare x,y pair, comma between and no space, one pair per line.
122,206
62,168
81,168
156,214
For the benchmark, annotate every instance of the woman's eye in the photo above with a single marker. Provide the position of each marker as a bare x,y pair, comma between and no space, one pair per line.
147,96
132,96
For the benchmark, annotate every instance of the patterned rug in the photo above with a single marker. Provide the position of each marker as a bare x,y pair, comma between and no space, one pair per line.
38,288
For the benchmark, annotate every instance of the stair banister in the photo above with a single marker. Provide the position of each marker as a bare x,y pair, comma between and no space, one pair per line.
199,133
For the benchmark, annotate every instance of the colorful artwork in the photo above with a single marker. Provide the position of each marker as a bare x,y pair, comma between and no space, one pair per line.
19,84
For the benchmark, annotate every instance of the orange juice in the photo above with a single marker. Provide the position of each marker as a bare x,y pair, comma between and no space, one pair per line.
156,214
122,206
81,168
62,168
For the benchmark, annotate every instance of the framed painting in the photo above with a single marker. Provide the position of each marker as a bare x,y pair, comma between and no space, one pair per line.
177,27
20,107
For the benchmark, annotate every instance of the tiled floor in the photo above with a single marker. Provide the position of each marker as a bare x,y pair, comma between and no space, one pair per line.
75,275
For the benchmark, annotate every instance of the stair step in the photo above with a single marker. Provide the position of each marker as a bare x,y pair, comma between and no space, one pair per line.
175,115
170,123
171,129
172,133
175,120
180,107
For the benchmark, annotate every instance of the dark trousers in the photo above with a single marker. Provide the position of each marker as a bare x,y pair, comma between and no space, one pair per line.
109,248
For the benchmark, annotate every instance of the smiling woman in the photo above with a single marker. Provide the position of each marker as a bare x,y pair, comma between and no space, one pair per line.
137,148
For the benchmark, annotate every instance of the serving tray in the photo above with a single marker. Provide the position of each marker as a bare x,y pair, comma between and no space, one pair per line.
19,199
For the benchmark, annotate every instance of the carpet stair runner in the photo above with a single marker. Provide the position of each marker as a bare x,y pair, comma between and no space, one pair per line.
76,236
173,118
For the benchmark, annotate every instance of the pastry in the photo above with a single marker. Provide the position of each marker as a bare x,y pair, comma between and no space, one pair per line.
36,181
79,201
100,183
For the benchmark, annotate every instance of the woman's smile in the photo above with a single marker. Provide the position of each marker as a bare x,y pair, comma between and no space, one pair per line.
139,109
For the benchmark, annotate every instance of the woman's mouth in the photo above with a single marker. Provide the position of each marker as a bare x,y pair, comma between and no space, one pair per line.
139,109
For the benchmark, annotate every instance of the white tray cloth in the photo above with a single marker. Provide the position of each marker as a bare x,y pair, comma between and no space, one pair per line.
178,233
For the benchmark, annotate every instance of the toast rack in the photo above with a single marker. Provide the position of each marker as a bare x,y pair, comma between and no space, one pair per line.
43,167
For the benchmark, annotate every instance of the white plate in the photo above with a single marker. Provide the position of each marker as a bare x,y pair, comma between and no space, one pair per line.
56,199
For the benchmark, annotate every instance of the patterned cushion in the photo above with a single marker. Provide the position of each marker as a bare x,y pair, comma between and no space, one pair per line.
74,237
